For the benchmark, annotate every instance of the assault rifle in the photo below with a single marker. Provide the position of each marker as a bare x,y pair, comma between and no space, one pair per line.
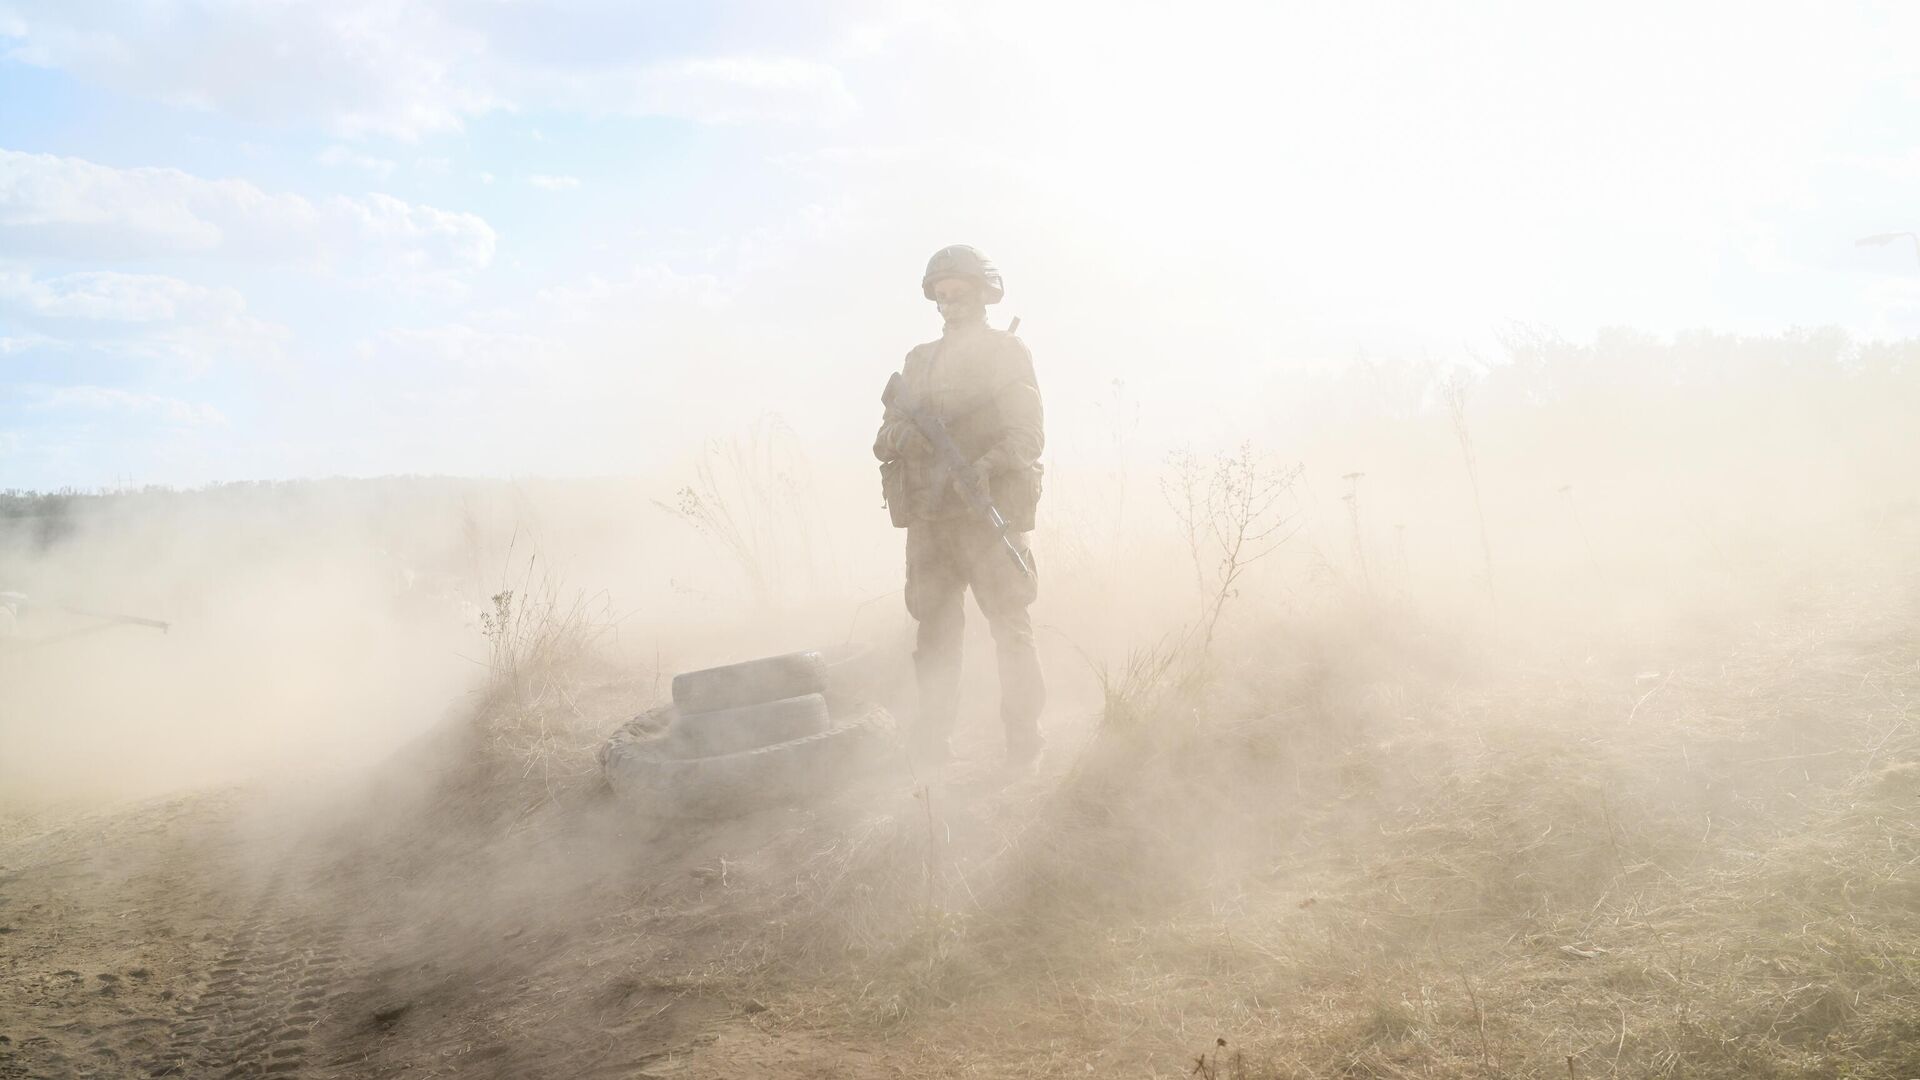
954,463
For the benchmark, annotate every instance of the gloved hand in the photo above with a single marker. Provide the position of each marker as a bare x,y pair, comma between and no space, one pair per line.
903,440
915,444
973,479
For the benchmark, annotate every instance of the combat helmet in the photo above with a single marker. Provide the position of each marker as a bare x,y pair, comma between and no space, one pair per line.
962,261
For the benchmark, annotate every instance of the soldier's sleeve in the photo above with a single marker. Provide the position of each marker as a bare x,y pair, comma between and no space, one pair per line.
1022,421
891,440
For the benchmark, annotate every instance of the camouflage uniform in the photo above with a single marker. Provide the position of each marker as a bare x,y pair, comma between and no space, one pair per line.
980,381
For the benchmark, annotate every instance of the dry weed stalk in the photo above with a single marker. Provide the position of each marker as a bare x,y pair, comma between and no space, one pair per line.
754,498
537,644
1234,510
1352,499
1454,390
532,633
1580,526
1136,691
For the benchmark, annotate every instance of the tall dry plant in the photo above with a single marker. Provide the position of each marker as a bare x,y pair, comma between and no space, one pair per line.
1454,390
754,499
1352,499
1580,526
1234,510
533,631
543,640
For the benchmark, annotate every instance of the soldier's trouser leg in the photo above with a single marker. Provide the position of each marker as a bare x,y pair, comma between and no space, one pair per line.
1004,594
936,587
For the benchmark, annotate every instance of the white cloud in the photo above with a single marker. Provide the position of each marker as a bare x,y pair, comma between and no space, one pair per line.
338,156
372,68
460,345
115,297
134,316
21,343
597,298
358,66
167,410
553,183
730,90
556,328
70,207
421,235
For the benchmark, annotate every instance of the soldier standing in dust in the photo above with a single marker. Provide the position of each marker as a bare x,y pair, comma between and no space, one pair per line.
980,382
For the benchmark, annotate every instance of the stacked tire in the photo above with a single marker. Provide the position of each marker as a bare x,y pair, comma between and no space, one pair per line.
751,736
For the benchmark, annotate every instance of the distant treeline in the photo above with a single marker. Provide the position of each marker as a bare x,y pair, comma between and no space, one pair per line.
41,517
25,504
38,519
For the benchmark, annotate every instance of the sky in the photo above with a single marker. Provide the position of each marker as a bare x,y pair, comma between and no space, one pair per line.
248,241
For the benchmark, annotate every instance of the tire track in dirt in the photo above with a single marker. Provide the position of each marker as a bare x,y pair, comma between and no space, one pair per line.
263,998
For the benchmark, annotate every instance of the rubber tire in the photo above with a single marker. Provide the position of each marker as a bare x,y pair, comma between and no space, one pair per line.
750,727
649,726
852,675
754,682
803,770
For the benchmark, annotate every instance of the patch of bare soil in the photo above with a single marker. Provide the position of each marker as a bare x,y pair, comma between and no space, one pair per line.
482,910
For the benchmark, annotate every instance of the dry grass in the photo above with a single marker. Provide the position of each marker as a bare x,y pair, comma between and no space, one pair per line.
1352,846
552,696
1420,865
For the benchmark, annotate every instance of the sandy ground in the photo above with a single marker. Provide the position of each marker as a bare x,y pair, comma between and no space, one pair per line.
393,928
220,935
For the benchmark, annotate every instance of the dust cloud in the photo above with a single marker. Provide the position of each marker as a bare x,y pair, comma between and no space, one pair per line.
1418,652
